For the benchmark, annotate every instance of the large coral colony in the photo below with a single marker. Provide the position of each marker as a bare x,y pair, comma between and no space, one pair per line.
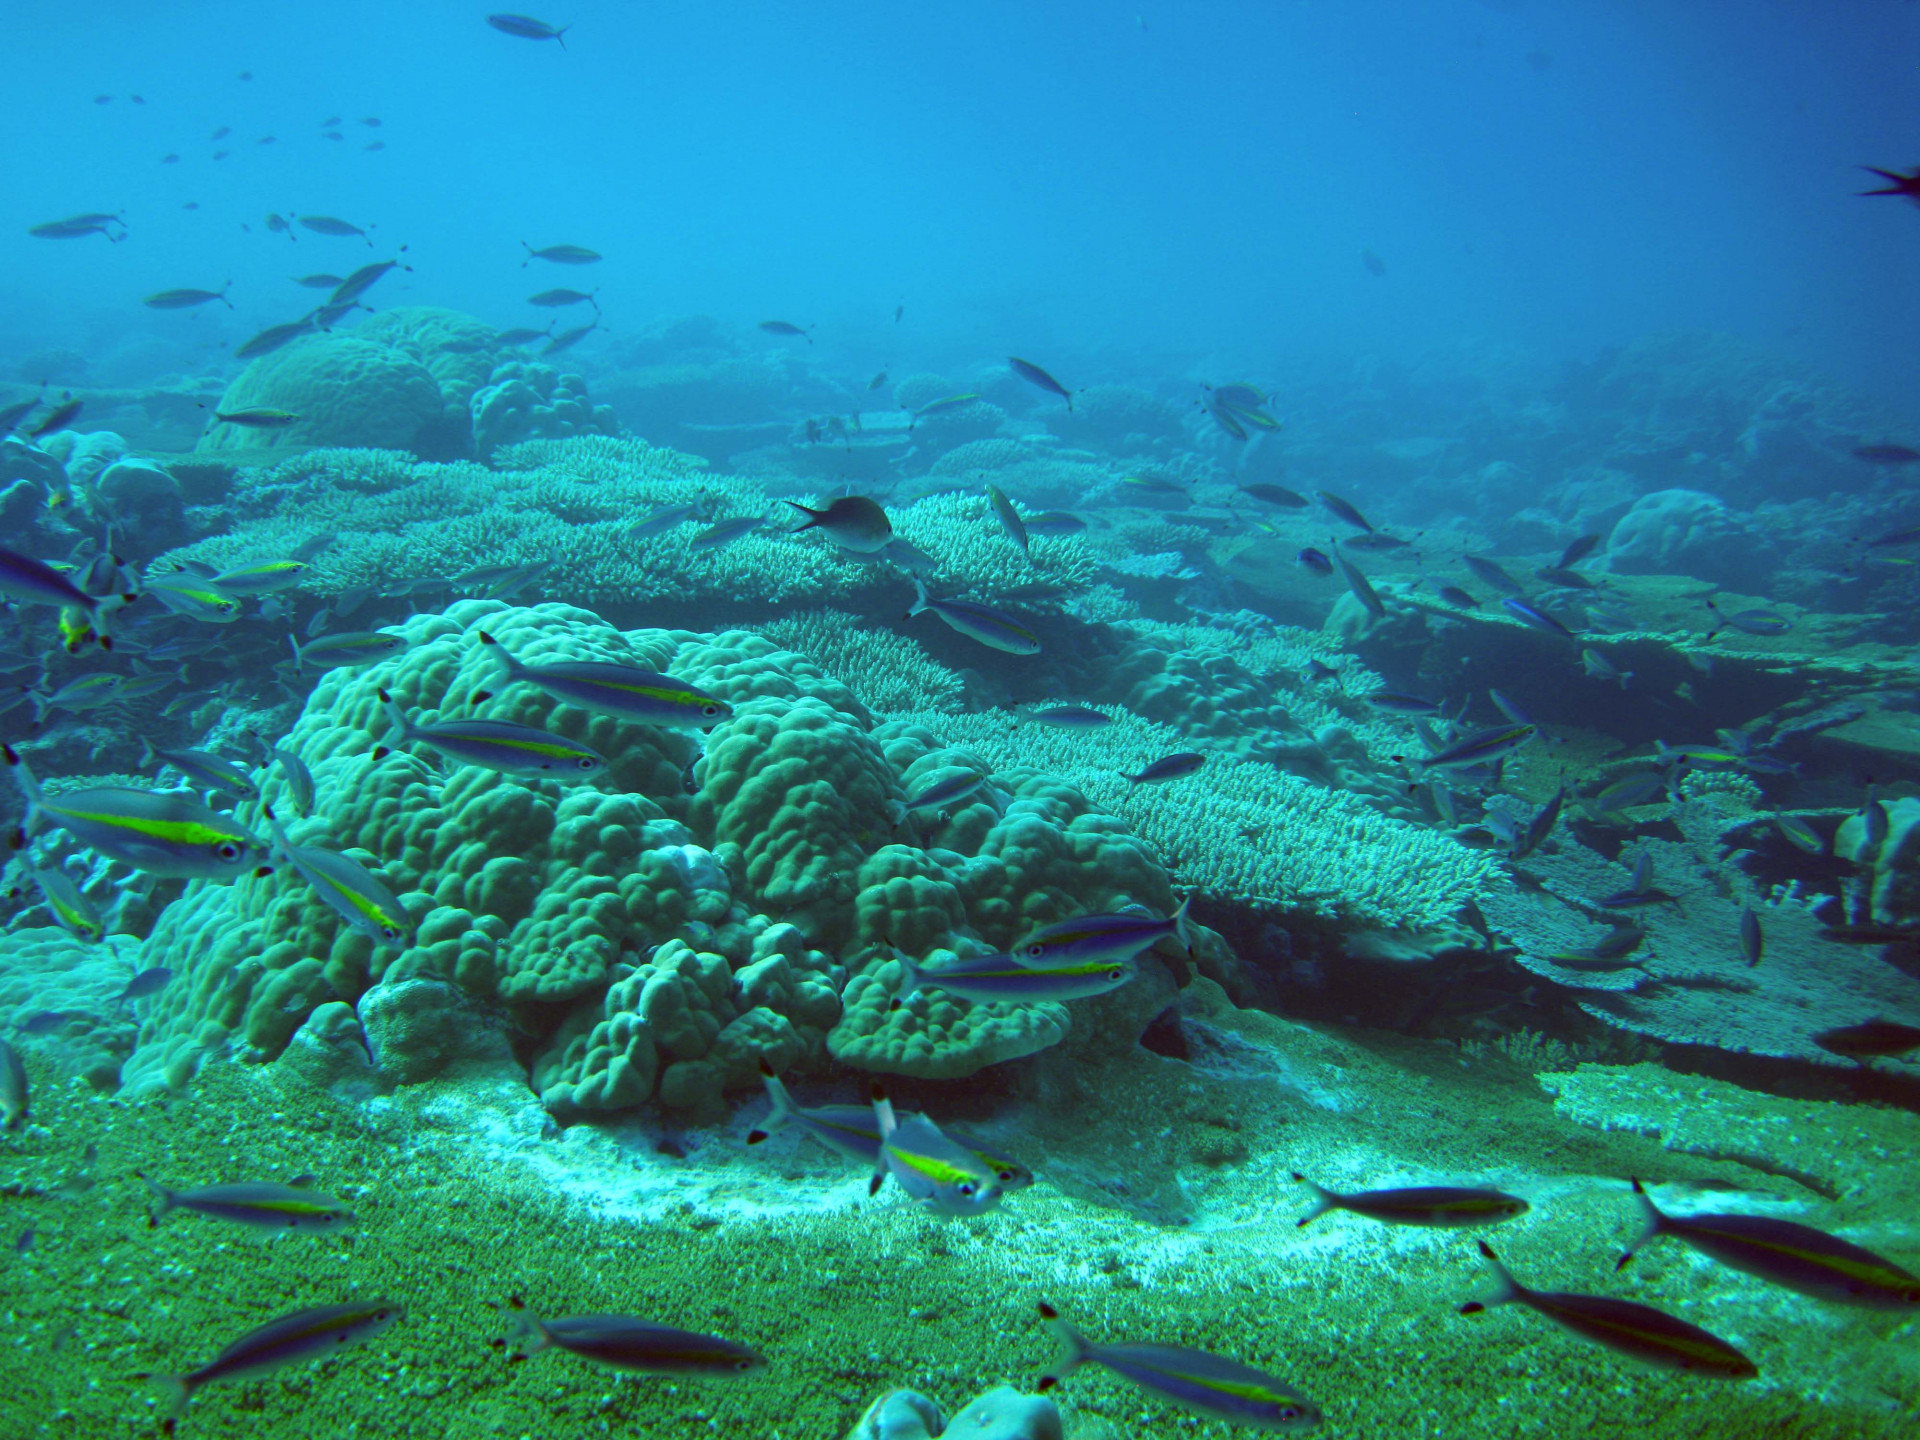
430,725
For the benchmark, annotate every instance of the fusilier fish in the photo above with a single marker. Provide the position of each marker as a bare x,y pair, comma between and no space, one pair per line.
163,834
1168,767
187,299
1789,1254
567,339
346,648
942,405
944,1176
1483,747
1065,717
725,533
349,889
786,327
215,772
991,627
1598,667
853,522
339,229
291,1340
260,1206
1344,510
957,786
553,299
265,577
1641,1333
299,779
621,1342
495,745
1357,582
27,581
71,910
1275,495
1749,622
273,338
1008,516
1034,375
560,255
150,981
1537,618
185,593
990,978
623,691
1578,550
362,280
58,418
1435,1205
1208,1384
1491,573
1093,939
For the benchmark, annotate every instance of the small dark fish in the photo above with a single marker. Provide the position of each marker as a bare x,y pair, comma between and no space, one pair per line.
1396,703
1227,421
1054,522
1008,515
1874,1039
25,1242
623,1343
291,1340
1374,540
877,381
1538,619
785,327
221,133
522,336
1169,767
362,280
1749,622
44,1023
1540,826
1034,375
725,532
1493,574
273,338
150,981
567,339
258,417
1343,510
1454,595
1565,579
560,255
525,27
328,225
1376,267
170,158
58,419
319,282
551,299
1361,587
13,414
1275,495
330,122
1578,551
1437,1205
1886,454
1753,940
1481,748
1315,562
370,120
374,145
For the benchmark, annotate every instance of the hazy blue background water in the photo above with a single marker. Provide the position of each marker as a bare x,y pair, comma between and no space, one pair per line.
1118,190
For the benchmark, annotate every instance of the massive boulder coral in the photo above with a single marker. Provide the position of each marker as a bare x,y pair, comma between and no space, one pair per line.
523,400
344,391
654,936
1686,532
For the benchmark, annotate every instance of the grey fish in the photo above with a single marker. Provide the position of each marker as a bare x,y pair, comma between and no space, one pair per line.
319,282
1169,767
1578,550
945,1177
1435,1205
560,255
346,647
1753,940
1395,703
1797,1257
945,792
1317,563
362,280
1343,510
261,1206
1361,588
1749,622
150,981
1600,668
621,1342
567,339
1034,375
216,772
328,225
1538,619
187,299
553,299
853,522
495,745
1639,1332
1066,717
347,887
291,1340
1374,540
1275,495
1210,1385
1492,574
525,27
983,623
273,338
522,335
607,688
298,777
1102,939
1008,517
725,532
786,327
59,418
1540,826
1454,595
1481,748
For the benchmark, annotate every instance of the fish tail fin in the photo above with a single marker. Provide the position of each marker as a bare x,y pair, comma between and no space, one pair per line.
178,1390
161,1194
1180,926
499,654
783,1107
530,1334
1656,1225
1625,677
1075,1349
561,34
1323,1200
909,976
294,641
396,717
884,1117
919,596
29,791
1510,1292
276,830
813,516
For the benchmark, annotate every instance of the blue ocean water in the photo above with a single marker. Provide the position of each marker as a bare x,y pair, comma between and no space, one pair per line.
826,705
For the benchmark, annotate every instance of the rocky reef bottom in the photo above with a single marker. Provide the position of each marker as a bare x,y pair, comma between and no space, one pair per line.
1163,1212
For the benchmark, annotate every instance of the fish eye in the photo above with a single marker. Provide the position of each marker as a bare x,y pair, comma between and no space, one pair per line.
966,1189
709,709
1035,951
585,762
390,932
227,850
1115,973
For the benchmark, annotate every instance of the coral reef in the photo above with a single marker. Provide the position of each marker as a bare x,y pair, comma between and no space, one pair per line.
522,400
345,391
1684,532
